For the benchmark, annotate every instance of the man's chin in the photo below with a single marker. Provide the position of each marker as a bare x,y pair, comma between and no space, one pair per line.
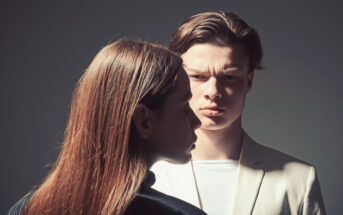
216,123
212,126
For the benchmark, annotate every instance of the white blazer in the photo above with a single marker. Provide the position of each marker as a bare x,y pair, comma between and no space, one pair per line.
269,182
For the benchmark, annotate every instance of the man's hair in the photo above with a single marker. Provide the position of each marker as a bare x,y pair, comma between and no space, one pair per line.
220,28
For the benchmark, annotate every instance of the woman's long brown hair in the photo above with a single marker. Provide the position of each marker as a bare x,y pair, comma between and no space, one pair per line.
101,165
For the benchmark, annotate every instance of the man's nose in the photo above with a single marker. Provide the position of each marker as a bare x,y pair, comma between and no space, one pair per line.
212,90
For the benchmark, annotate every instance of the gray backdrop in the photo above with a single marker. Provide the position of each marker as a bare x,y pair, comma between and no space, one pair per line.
295,105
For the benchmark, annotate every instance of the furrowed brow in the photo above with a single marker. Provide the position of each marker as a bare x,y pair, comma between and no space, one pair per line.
194,70
231,68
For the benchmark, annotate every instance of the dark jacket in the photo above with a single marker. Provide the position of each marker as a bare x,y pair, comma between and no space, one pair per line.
147,202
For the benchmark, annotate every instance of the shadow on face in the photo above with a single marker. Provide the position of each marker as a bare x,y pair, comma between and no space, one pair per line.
168,133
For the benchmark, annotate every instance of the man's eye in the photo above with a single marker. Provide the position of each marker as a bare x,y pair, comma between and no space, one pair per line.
199,77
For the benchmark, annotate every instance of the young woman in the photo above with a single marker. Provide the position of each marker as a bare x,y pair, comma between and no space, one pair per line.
129,109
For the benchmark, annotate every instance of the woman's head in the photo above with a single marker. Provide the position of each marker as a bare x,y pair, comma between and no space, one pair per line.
122,102
124,93
169,132
129,108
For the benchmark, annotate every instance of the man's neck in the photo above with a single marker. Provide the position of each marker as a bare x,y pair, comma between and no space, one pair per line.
221,144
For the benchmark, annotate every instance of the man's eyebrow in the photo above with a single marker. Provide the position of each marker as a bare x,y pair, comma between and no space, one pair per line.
190,69
226,68
231,68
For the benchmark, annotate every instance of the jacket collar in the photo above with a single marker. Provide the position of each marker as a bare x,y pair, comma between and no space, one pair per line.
250,175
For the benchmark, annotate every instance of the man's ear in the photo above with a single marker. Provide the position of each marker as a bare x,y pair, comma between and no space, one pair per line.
144,120
250,79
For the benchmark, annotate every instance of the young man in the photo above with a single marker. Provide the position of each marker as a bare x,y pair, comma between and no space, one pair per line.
229,172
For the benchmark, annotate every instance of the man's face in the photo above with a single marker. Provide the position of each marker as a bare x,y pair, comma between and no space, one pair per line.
220,79
173,137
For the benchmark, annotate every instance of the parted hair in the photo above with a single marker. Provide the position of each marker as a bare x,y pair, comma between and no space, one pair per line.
101,166
220,28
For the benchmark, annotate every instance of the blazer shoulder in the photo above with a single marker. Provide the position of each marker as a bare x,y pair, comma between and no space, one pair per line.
298,178
277,159
274,162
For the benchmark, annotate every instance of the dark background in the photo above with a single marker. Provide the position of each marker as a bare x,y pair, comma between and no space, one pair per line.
295,106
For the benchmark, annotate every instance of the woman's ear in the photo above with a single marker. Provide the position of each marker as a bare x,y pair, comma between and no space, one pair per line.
143,119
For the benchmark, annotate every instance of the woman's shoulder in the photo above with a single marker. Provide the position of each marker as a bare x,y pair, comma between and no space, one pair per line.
151,201
19,206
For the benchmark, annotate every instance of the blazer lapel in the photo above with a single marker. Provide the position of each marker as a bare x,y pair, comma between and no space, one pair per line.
249,179
182,183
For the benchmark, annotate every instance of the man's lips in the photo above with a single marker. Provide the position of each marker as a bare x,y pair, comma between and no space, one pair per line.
212,110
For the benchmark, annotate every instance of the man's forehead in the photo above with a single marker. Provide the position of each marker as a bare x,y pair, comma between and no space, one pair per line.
207,57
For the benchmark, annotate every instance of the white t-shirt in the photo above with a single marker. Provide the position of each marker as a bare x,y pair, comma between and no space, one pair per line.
216,180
